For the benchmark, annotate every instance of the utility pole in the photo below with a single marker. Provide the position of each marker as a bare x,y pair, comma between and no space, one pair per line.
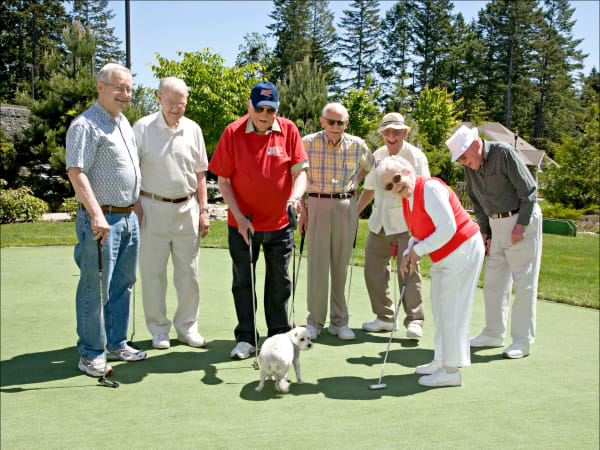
127,37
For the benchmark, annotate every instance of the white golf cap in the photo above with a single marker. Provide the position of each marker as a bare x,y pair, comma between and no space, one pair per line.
393,120
461,140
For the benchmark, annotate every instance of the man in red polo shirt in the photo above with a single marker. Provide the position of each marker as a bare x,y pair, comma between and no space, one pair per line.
261,164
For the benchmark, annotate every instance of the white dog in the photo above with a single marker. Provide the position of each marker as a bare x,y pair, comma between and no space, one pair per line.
277,355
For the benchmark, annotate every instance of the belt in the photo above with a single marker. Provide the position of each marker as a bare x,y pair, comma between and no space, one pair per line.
336,195
162,199
505,214
113,209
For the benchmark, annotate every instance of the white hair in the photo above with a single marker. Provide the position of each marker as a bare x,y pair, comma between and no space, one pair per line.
337,106
173,83
105,74
395,163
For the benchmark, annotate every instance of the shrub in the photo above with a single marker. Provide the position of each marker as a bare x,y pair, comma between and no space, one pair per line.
19,205
69,206
558,211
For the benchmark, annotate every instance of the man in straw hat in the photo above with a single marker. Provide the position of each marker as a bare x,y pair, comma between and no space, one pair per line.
387,225
504,196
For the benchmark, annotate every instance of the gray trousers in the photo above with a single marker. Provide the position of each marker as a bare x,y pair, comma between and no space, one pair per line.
377,276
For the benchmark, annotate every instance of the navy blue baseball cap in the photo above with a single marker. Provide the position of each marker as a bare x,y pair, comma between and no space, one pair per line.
264,94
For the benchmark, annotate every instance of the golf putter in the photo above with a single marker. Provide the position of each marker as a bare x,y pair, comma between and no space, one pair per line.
394,255
294,224
296,275
350,281
255,363
130,342
102,380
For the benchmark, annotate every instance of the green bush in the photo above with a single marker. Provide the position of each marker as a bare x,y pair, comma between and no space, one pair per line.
69,206
558,211
19,205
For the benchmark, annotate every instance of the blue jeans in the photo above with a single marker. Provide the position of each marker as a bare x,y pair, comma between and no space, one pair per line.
119,263
277,246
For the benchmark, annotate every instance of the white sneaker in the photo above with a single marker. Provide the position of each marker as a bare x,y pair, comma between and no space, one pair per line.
125,353
429,369
242,350
344,332
193,339
94,367
414,330
313,332
483,340
441,378
379,325
161,341
516,351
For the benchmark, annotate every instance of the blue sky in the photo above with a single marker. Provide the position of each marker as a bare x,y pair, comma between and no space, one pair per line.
165,27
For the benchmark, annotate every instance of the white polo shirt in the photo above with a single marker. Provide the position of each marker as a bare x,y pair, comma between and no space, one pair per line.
387,207
169,159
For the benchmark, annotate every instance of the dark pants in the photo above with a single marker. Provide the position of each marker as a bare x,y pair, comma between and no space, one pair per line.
277,247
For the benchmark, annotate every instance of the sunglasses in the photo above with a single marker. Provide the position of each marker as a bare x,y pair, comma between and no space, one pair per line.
397,178
260,109
332,122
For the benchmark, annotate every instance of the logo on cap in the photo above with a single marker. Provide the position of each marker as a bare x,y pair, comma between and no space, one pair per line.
266,92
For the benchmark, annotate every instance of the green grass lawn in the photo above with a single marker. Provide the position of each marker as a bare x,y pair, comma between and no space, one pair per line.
569,273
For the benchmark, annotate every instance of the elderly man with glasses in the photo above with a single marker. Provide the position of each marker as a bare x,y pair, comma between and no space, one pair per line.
387,226
338,163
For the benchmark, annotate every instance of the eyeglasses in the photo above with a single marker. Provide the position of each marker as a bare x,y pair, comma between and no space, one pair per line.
120,88
395,180
332,122
260,109
390,132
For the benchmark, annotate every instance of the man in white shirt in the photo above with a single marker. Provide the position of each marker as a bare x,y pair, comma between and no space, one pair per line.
173,213
386,226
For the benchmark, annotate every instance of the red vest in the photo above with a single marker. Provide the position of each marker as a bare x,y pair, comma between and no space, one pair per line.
420,224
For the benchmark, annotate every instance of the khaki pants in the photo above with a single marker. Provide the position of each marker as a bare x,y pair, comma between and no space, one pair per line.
330,234
377,277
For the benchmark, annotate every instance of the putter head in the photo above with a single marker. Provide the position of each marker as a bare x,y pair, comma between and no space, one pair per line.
104,382
255,365
374,387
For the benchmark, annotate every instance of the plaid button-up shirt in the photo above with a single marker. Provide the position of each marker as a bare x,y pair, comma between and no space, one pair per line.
334,168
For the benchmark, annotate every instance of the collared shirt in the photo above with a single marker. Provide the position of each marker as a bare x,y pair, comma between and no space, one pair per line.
334,168
250,127
502,183
169,158
104,148
387,207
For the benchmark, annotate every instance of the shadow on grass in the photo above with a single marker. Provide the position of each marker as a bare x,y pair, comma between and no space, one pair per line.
363,336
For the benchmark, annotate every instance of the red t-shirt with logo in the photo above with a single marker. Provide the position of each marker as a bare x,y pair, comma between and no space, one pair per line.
260,169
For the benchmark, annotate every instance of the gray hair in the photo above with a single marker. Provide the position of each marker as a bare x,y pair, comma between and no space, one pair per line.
337,106
105,74
394,162
173,83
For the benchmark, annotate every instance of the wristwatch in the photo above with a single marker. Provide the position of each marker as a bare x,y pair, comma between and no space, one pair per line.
204,208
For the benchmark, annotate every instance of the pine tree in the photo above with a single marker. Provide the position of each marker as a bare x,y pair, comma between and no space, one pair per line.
96,14
358,45
323,38
255,50
30,29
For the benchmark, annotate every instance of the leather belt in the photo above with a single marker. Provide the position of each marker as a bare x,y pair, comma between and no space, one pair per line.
336,195
505,214
112,209
162,199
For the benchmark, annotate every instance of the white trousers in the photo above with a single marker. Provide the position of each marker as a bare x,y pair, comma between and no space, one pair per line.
507,264
170,230
453,283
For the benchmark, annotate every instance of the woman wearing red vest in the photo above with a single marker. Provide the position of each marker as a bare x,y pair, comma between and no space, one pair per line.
441,228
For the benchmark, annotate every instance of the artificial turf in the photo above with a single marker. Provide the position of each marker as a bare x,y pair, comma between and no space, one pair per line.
199,398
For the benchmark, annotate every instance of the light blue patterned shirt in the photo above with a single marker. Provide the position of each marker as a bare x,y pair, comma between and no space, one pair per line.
104,148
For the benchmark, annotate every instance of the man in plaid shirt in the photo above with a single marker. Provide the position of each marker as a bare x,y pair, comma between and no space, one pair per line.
338,162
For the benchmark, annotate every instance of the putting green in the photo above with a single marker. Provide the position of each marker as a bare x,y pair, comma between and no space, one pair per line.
199,398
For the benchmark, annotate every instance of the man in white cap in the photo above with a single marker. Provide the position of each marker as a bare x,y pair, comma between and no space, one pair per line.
386,226
504,196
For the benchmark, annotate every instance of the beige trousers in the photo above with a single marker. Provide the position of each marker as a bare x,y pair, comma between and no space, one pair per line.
330,234
170,230
377,277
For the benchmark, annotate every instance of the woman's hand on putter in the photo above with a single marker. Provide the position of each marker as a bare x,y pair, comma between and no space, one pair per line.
409,263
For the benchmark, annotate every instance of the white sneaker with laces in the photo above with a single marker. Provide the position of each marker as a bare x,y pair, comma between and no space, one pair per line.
193,339
414,330
125,353
379,325
94,367
441,378
516,351
161,341
483,340
429,369
313,332
242,350
344,332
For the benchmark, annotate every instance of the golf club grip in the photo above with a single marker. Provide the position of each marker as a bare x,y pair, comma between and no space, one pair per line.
249,217
292,217
302,241
99,255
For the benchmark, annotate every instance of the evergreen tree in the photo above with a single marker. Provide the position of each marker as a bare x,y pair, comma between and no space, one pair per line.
30,29
302,96
96,15
358,45
364,114
323,39
255,50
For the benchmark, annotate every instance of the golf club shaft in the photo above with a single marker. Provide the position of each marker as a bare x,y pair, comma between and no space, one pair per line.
256,364
102,380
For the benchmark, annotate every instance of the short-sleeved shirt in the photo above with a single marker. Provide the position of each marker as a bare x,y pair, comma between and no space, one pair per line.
334,168
169,158
387,207
260,168
104,148
502,183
